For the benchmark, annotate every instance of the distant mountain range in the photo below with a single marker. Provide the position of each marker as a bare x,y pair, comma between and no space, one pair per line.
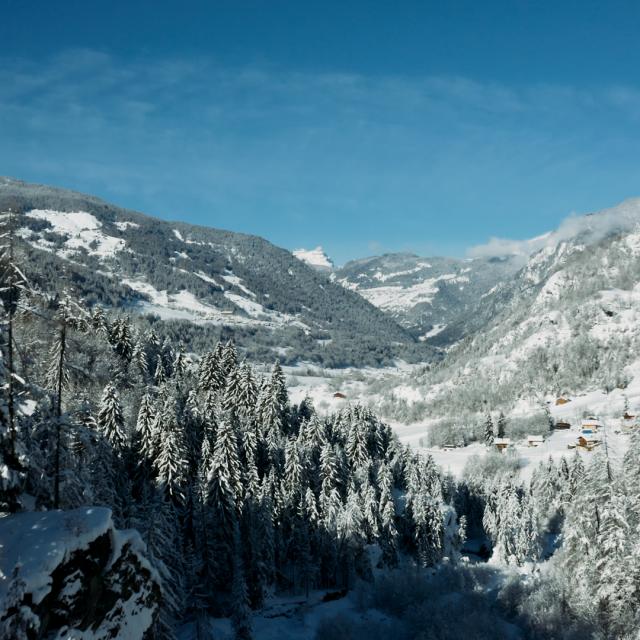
567,323
209,281
437,299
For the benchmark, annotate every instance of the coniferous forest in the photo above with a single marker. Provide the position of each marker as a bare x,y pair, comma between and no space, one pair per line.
239,496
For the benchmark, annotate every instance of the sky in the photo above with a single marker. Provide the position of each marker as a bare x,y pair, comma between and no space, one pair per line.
361,126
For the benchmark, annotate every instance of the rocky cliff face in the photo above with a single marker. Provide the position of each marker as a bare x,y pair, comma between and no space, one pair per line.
73,575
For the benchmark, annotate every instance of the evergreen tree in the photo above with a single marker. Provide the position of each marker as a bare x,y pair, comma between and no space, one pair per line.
111,420
488,431
501,425
18,621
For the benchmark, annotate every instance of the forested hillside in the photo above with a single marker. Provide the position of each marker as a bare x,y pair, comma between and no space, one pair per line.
240,496
234,491
565,325
202,283
440,300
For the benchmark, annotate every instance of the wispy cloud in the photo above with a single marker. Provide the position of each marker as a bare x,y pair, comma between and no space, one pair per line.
587,229
262,146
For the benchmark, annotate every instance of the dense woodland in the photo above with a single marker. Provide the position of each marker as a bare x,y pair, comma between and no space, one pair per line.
239,495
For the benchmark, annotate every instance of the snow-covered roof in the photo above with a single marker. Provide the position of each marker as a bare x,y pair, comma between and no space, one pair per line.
535,438
506,441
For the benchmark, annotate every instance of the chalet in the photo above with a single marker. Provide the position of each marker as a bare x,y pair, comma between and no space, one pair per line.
535,441
560,401
627,417
562,424
586,443
339,396
501,443
591,424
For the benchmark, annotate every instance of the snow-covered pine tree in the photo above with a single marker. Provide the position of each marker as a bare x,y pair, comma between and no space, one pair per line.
110,420
139,358
18,621
13,461
145,428
229,358
160,375
488,431
171,463
180,363
388,530
501,425
68,316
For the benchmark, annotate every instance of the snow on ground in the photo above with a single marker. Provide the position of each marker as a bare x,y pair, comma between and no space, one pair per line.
41,541
126,224
184,305
316,258
206,278
83,231
383,277
437,328
608,407
291,618
400,298
237,282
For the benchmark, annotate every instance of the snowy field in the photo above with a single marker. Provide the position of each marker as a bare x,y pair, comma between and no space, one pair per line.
321,385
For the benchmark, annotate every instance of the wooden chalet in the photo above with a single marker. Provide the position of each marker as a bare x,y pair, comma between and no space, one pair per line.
591,424
562,424
587,444
560,401
339,396
501,443
535,441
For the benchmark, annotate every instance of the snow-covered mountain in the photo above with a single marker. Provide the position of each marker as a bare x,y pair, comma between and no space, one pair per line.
566,324
218,281
435,298
316,258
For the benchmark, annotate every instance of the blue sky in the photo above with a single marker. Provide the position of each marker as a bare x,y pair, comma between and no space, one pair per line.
362,126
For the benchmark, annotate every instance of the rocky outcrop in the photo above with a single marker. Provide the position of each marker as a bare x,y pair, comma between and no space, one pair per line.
72,575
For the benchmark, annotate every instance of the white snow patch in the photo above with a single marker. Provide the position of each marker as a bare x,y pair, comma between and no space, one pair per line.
83,231
237,282
126,224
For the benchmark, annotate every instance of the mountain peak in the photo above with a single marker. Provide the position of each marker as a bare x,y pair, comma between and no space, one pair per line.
316,258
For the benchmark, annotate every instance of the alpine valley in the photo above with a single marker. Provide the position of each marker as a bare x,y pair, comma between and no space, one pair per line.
203,435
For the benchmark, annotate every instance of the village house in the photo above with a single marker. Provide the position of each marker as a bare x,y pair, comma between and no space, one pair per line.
591,424
535,441
501,443
562,424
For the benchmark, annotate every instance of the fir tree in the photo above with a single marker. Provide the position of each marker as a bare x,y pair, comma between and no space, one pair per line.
488,431
18,621
111,420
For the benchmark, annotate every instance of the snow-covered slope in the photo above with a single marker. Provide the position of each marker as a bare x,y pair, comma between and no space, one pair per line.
315,258
567,324
220,280
435,298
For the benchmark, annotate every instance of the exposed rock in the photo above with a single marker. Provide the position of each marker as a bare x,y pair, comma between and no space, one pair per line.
78,576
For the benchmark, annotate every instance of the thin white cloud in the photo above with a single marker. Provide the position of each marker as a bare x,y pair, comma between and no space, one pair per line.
587,229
